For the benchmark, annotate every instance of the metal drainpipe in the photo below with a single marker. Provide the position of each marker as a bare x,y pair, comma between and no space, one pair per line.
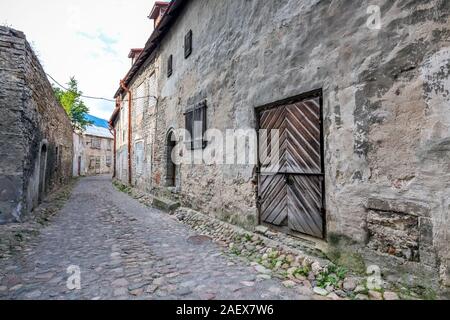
113,131
124,87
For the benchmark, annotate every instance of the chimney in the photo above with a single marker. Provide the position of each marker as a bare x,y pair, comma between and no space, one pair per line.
158,11
134,54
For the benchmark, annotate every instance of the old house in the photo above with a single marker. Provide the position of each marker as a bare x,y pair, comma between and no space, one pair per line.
359,96
93,149
35,132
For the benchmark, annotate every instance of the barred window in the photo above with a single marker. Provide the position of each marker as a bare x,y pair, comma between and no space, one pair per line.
140,101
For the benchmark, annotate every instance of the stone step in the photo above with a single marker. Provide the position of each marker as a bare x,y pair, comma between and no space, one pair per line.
165,204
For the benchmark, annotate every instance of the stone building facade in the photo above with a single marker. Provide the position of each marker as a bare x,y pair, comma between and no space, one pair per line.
93,152
374,78
35,132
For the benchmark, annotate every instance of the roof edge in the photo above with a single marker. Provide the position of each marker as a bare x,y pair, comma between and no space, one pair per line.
172,13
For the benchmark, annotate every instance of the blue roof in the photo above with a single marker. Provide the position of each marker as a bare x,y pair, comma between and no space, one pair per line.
102,123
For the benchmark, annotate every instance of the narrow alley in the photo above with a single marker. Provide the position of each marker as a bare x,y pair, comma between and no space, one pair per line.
127,251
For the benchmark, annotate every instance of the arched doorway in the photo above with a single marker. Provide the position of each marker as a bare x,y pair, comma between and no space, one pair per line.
42,171
171,172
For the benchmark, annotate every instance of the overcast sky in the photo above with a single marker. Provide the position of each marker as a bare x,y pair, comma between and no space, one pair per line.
88,39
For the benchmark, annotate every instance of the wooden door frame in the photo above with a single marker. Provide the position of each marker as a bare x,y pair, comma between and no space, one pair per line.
318,93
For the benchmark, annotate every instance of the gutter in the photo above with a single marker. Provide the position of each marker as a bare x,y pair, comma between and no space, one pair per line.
130,131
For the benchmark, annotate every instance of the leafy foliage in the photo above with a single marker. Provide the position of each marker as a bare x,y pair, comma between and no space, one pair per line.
74,106
331,276
302,271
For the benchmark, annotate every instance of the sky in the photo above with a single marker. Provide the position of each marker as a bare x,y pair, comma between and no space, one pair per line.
88,39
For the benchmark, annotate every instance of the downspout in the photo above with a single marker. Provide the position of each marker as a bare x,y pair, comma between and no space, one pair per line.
113,132
112,129
130,131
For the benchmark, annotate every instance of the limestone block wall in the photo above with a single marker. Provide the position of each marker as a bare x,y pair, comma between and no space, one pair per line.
36,148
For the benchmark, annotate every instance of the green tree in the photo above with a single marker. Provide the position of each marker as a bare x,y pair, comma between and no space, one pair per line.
71,101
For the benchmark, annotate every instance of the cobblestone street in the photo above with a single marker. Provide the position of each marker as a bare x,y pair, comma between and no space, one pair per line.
127,251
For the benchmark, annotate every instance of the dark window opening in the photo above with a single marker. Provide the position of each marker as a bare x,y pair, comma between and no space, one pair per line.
196,124
188,44
170,66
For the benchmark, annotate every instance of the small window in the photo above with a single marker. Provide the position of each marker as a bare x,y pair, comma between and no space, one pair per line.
108,146
95,143
170,66
195,121
188,44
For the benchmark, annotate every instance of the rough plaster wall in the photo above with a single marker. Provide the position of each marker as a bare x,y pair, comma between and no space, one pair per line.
371,81
41,119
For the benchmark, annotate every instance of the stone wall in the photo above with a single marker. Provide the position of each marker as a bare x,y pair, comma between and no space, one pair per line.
385,98
35,133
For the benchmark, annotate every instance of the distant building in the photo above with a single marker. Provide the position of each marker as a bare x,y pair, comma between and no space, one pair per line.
35,132
93,149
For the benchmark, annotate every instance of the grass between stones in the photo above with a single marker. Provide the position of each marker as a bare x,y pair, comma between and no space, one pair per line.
292,267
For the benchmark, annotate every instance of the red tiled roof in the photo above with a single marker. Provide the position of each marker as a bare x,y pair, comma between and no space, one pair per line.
157,8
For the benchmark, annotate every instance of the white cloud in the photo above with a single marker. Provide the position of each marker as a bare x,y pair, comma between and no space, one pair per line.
83,38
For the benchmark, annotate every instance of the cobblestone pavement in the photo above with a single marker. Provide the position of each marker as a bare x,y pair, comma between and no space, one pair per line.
127,251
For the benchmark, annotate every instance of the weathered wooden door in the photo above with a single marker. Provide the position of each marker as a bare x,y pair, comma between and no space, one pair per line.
291,191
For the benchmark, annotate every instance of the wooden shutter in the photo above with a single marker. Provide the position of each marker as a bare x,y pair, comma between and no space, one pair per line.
170,66
189,116
197,114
